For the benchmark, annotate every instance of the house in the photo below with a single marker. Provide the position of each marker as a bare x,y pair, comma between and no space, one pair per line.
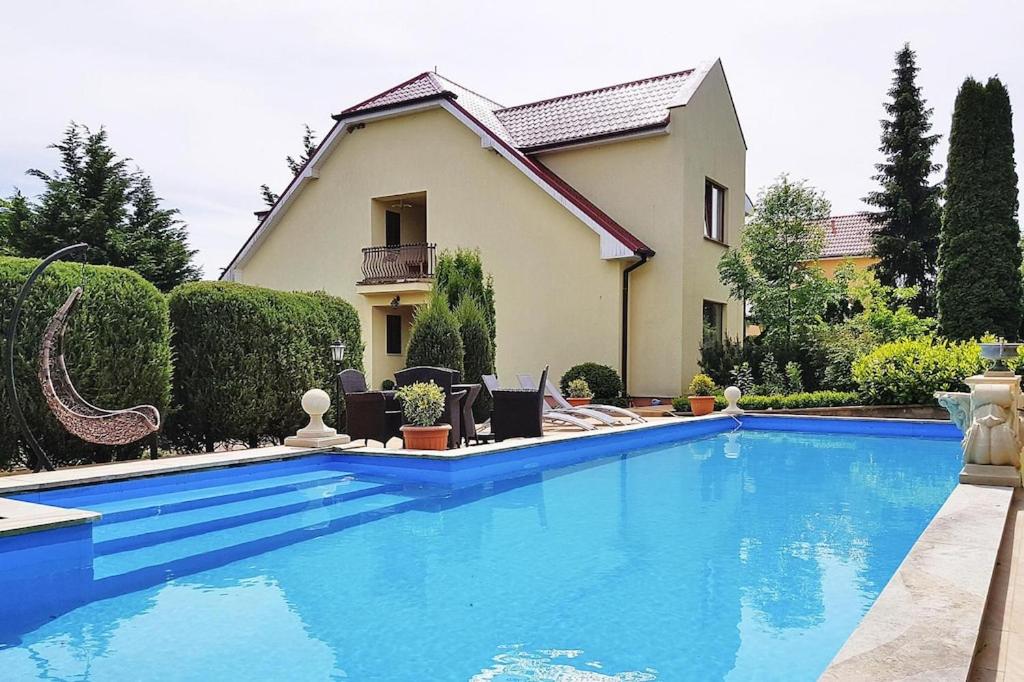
601,215
847,238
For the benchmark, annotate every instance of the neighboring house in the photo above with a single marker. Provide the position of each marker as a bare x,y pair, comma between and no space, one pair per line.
847,238
602,216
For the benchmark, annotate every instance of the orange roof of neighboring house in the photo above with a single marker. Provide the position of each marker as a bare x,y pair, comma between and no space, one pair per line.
847,235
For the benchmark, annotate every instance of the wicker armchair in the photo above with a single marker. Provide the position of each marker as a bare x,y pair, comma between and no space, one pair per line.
453,399
518,412
368,414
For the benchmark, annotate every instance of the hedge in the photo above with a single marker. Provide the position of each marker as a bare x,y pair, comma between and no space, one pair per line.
244,356
602,379
909,372
792,401
117,350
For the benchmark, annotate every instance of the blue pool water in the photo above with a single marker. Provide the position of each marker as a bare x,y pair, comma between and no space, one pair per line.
739,556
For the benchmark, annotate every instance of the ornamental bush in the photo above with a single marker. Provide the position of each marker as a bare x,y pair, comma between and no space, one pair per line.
117,348
244,356
434,340
908,372
422,403
579,388
602,380
702,385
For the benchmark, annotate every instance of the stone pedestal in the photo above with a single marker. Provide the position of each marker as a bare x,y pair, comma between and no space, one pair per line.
989,417
316,434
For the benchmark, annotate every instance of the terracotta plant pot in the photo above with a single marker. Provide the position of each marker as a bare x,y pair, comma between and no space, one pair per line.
702,404
426,437
579,402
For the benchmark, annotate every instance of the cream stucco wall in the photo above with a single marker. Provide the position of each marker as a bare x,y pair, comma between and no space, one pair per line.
654,187
539,253
830,265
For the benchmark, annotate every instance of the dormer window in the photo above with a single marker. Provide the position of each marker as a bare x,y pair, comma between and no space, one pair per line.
714,211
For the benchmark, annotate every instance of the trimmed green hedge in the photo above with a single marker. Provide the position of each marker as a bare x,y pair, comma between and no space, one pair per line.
244,356
118,353
792,401
909,372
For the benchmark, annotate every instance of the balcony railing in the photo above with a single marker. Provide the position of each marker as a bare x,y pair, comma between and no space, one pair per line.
382,264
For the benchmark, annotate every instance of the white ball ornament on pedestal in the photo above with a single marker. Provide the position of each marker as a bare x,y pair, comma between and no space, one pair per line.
732,395
316,434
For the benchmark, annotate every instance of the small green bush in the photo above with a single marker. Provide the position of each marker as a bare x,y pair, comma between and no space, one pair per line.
702,385
602,379
792,401
478,353
909,372
117,350
244,356
579,388
422,403
435,340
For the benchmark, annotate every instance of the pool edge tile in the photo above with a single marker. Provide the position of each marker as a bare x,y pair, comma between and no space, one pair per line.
926,622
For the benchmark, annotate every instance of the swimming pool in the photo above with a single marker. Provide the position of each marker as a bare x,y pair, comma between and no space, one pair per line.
672,554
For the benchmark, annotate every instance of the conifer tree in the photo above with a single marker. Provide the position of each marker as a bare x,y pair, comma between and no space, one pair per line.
94,197
309,145
979,287
909,218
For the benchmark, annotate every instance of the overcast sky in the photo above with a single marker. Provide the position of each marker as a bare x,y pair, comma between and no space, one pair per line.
209,97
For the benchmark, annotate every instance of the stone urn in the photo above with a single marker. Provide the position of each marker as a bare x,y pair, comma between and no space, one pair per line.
999,352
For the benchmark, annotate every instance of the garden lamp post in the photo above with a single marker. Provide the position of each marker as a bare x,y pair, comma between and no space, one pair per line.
338,355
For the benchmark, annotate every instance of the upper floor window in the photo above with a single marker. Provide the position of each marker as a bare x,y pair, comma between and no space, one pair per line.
714,211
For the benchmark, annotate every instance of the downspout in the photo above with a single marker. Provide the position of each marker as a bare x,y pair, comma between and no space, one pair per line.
644,255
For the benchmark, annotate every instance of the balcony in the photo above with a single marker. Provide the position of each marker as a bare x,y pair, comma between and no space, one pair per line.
404,263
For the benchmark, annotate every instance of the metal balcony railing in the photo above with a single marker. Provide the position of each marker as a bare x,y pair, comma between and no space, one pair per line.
382,264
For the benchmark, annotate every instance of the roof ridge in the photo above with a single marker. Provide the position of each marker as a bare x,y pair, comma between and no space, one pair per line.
469,90
604,88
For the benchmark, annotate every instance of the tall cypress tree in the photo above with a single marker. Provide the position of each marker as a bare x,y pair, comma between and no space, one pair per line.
979,287
907,241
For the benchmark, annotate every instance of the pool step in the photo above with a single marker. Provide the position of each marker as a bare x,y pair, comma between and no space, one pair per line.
139,507
151,530
133,569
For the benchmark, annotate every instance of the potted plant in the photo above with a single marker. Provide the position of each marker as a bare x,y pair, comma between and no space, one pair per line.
422,405
702,398
579,392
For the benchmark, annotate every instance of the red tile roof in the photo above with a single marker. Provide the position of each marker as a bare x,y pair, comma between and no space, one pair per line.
604,112
592,114
847,235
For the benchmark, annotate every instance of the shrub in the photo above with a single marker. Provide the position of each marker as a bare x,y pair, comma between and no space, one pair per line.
772,381
702,385
794,380
387,385
460,273
422,403
245,355
579,388
117,350
434,340
782,402
743,378
478,353
910,371
602,379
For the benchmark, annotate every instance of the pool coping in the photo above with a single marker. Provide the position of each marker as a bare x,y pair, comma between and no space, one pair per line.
18,517
926,622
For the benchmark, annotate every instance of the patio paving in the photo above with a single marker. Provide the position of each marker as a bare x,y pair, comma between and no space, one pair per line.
999,654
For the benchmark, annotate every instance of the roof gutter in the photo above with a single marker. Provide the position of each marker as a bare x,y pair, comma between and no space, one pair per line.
644,255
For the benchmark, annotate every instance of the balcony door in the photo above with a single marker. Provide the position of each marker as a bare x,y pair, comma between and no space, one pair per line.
392,228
